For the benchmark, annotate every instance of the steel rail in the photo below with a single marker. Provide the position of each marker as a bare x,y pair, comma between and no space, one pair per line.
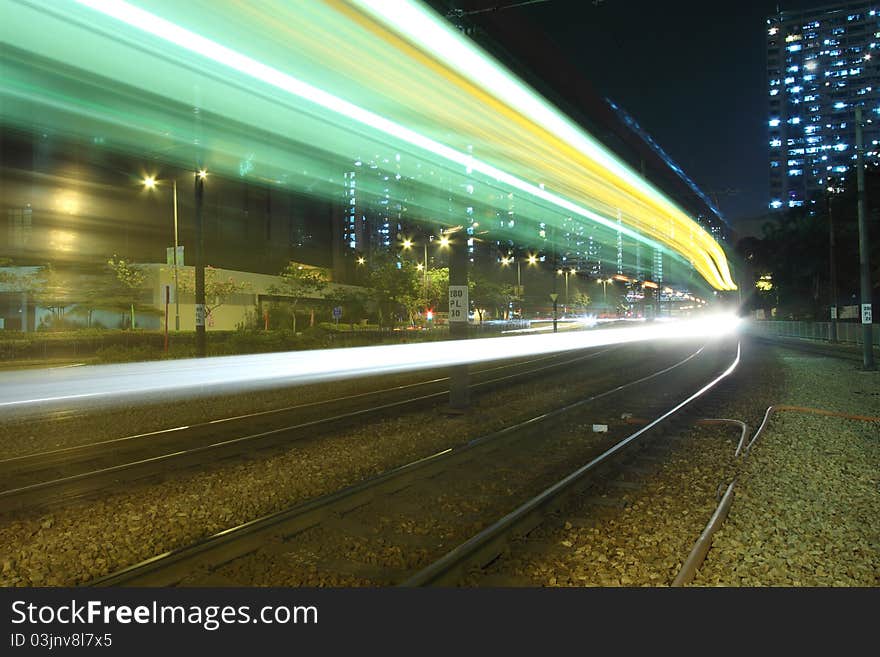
704,542
16,497
172,566
486,544
245,416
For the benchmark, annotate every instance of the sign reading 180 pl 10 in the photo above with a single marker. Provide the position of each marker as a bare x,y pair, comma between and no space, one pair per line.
458,303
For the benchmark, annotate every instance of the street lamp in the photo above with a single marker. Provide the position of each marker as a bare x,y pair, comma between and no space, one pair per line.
150,183
423,267
604,282
566,272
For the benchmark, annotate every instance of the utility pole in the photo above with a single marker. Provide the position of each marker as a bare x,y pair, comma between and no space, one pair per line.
864,252
832,269
176,290
201,349
459,392
425,290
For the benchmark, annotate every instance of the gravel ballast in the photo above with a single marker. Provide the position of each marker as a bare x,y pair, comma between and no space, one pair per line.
90,539
807,503
805,506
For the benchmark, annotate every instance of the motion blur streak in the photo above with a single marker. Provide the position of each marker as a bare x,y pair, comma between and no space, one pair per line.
140,381
303,91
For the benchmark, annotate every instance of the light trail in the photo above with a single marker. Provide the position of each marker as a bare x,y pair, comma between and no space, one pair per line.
141,382
386,82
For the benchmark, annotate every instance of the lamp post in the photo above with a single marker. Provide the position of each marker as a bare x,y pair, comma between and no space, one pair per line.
604,282
150,183
832,268
201,338
423,267
566,272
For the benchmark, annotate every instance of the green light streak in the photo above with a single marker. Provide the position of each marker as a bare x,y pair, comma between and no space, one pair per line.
138,81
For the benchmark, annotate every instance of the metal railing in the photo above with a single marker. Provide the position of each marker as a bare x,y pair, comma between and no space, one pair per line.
847,332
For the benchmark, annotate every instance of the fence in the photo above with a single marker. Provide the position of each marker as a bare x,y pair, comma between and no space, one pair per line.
846,331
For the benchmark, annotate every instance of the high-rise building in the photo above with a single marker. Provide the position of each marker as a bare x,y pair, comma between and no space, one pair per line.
821,64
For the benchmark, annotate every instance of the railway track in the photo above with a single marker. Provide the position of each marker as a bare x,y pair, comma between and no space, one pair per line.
401,526
61,475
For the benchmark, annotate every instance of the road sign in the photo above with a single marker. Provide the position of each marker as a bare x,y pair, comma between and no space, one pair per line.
337,312
554,297
458,303
833,312
866,313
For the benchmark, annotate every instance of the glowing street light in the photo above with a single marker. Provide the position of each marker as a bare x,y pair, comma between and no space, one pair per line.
566,272
423,267
604,282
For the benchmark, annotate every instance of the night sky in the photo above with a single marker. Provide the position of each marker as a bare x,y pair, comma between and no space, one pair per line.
693,74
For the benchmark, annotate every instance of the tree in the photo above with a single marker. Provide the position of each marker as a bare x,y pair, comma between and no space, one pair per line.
397,287
218,289
353,303
132,279
486,293
298,282
100,289
438,287
581,300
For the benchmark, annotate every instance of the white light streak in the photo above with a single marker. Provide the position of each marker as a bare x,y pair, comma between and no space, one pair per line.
140,382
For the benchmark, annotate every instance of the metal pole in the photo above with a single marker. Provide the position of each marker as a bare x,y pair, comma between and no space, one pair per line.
459,392
176,293
864,252
832,271
201,349
426,280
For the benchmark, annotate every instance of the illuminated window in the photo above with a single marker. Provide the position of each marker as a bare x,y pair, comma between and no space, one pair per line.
774,123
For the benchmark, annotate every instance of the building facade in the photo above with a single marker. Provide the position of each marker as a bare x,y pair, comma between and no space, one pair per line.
821,64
